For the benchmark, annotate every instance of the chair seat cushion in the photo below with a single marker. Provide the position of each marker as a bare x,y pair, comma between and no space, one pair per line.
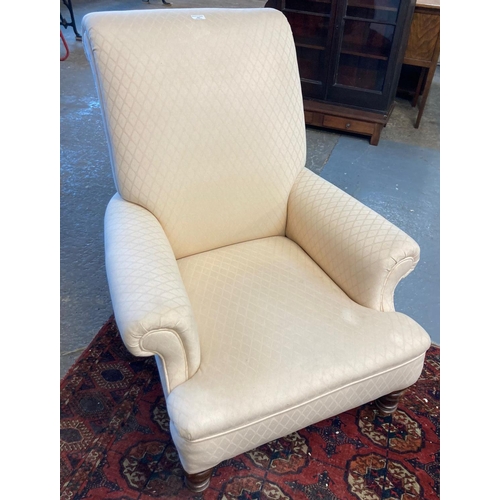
281,342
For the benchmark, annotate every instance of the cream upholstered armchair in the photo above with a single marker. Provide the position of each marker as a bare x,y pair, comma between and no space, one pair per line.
264,292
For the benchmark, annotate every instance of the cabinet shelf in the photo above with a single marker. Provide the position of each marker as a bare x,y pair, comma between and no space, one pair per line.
308,28
308,6
363,4
309,46
306,12
353,50
365,20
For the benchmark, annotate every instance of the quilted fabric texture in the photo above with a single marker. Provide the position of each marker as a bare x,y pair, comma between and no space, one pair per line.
151,306
216,219
360,250
282,347
203,111
202,454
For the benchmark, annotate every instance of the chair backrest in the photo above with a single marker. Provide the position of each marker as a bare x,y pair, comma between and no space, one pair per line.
204,117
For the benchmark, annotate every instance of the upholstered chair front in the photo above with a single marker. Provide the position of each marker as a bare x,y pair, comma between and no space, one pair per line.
264,292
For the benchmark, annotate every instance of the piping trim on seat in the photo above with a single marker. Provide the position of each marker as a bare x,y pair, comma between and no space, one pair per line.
200,440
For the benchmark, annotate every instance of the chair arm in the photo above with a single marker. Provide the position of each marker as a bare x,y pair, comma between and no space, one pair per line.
364,253
152,310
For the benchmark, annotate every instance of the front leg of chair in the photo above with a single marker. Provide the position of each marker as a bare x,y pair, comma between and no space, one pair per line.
388,404
198,482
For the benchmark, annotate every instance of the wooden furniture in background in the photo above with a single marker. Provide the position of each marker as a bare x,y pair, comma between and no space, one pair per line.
350,54
422,50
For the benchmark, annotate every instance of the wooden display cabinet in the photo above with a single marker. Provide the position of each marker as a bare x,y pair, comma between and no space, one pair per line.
349,54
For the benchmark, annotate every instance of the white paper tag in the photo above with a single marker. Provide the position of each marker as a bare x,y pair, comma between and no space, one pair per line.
198,16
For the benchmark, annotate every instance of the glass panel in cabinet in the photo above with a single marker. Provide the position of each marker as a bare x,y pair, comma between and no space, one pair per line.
308,30
311,63
317,6
378,10
365,39
361,72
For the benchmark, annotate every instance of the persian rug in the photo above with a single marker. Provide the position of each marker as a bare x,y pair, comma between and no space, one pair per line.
116,445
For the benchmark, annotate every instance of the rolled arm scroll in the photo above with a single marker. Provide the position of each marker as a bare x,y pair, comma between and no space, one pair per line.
150,302
364,253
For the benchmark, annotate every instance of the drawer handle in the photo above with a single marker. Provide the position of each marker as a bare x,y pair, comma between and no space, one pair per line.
347,125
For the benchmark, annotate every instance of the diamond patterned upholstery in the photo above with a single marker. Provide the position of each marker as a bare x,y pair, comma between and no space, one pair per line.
361,251
282,347
247,122
264,292
152,309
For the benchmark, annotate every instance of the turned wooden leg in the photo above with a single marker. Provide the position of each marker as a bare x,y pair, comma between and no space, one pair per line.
198,482
388,404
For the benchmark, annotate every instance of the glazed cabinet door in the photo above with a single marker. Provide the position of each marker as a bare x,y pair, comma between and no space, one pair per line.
367,53
312,24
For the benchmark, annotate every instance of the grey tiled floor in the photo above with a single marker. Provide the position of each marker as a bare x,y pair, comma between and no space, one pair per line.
399,178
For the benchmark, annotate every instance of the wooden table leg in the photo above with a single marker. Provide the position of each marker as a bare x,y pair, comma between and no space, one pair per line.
427,88
419,87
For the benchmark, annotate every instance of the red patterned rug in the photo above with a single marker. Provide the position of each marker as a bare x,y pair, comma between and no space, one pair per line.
115,442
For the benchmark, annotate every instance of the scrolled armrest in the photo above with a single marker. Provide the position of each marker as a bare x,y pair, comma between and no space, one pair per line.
151,306
364,253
